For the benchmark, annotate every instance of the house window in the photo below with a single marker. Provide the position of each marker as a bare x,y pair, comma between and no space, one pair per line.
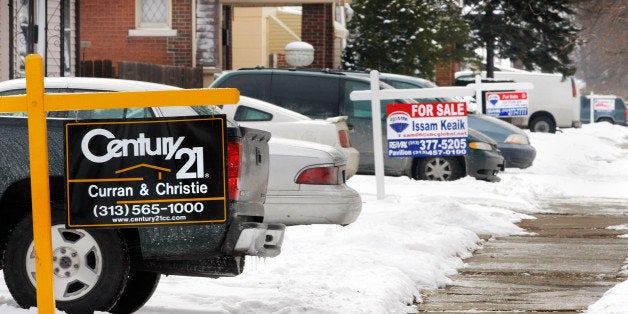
153,14
153,18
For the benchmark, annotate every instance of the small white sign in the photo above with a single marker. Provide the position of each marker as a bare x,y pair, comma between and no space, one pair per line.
507,104
604,104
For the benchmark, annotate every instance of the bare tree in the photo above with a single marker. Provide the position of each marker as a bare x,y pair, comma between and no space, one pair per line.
601,56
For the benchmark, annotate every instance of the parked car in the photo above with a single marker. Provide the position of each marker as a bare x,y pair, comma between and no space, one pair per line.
402,82
483,162
610,108
513,143
485,159
306,185
325,93
284,123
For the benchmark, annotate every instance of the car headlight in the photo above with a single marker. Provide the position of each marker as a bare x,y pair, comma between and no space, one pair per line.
480,145
519,139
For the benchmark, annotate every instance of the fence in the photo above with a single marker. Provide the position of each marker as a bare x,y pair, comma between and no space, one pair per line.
97,68
185,77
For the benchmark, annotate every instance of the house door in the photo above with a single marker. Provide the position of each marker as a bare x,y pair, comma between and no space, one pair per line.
22,27
22,35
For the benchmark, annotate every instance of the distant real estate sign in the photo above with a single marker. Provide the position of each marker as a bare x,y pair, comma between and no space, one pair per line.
605,105
146,172
427,129
507,104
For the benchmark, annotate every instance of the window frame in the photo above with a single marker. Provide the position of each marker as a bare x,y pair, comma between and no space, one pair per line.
152,29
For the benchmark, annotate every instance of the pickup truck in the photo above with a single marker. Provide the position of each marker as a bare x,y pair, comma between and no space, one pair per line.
117,269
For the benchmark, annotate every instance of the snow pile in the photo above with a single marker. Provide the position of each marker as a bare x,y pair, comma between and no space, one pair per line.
614,301
414,239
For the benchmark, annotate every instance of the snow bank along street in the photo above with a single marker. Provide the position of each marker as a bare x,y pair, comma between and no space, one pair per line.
414,239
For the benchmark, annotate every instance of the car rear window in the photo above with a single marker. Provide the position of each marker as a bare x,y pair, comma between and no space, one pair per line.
314,96
252,85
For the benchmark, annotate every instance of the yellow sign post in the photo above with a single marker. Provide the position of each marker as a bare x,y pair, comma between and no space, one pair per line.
36,103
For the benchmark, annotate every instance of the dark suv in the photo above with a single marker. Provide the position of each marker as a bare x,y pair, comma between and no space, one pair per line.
615,110
325,93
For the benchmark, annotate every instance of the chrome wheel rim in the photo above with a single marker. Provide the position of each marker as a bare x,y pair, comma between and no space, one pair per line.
438,169
76,263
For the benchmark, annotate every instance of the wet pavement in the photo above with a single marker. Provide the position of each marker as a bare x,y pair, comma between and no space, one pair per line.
568,265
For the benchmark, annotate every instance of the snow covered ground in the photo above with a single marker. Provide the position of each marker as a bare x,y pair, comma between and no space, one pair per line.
415,238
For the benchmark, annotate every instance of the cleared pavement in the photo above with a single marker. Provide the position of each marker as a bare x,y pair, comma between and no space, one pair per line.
568,265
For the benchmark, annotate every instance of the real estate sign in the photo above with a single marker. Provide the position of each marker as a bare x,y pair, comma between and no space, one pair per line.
507,104
427,129
605,105
146,172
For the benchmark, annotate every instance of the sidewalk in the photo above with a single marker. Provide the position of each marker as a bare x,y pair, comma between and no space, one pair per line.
567,266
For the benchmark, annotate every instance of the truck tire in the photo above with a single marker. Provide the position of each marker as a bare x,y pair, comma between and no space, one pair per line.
542,124
90,266
609,120
140,287
438,169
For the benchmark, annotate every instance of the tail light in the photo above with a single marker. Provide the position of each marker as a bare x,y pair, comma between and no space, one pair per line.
343,135
233,167
319,175
574,91
626,113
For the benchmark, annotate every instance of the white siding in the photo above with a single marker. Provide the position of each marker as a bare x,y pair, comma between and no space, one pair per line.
53,38
53,53
4,40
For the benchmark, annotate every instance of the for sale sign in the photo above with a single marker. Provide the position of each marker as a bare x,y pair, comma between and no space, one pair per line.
507,104
133,173
427,129
604,105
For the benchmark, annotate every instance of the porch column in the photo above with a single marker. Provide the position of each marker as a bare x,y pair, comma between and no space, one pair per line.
317,29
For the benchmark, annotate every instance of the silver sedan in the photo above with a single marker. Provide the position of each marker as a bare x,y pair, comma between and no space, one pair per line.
306,185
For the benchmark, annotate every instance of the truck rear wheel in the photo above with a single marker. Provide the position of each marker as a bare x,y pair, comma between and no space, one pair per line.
542,124
609,120
140,287
90,266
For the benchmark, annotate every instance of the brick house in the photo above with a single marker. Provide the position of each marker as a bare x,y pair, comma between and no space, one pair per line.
260,35
191,33
315,26
167,32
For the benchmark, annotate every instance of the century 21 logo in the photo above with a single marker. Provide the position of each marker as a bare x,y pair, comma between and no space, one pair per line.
141,146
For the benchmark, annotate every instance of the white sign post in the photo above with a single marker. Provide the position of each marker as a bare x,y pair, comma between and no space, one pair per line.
375,95
378,148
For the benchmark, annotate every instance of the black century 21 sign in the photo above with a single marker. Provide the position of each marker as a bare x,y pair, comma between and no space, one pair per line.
146,172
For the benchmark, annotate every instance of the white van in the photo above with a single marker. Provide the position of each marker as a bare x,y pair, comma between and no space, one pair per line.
554,101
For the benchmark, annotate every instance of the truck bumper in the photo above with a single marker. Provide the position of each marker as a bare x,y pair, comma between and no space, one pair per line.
255,239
